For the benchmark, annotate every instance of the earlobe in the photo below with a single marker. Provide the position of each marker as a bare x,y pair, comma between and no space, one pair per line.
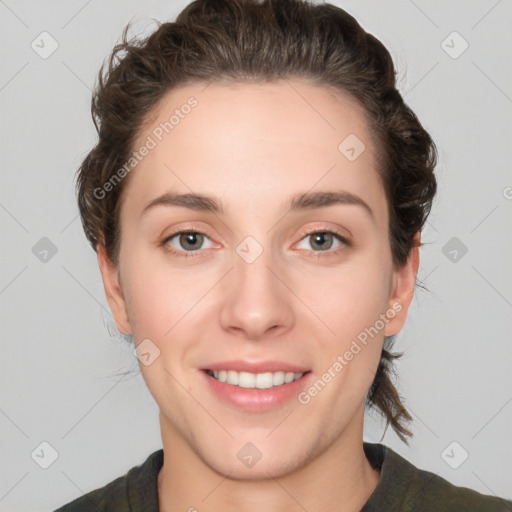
403,290
113,292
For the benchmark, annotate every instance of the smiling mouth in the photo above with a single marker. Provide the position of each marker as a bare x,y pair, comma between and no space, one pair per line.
248,380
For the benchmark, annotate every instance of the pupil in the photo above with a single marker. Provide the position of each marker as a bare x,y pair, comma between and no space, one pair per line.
321,236
189,238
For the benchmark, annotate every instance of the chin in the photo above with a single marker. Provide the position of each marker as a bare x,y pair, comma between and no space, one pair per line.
249,463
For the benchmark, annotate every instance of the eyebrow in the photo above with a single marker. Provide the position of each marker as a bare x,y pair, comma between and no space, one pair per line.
302,201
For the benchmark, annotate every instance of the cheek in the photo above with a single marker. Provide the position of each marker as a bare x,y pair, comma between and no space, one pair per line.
151,298
353,312
161,300
353,299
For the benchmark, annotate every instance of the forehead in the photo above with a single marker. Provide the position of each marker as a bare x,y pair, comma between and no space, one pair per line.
248,139
246,111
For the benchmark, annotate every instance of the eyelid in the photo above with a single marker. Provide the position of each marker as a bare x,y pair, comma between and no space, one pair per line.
185,229
327,229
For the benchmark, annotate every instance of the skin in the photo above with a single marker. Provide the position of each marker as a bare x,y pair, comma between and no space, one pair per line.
253,146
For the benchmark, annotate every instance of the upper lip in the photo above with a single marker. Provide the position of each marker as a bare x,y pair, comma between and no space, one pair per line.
257,367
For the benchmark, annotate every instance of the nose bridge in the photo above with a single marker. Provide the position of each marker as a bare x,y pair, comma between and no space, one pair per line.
257,301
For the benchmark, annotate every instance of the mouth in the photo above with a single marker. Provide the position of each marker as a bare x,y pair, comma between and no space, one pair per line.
269,385
265,380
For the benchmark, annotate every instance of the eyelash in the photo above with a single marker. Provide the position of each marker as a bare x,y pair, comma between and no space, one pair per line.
318,254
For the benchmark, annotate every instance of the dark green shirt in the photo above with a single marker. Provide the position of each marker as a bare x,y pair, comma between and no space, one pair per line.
402,488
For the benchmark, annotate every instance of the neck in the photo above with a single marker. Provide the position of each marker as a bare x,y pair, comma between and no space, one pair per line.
340,478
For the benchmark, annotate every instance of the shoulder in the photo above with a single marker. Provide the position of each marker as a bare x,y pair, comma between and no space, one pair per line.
135,490
109,497
404,486
437,493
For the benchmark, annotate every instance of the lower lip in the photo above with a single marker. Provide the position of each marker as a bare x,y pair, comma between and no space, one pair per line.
257,400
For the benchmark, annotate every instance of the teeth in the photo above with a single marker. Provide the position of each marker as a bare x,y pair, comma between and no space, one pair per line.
255,380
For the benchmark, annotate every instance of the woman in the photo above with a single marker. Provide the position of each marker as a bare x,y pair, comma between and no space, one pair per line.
256,199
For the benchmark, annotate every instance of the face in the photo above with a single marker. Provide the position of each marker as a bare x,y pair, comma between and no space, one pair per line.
284,260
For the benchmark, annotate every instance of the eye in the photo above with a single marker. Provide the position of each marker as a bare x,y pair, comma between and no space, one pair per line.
323,240
187,242
183,242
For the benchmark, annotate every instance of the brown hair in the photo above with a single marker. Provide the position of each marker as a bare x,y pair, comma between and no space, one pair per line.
263,40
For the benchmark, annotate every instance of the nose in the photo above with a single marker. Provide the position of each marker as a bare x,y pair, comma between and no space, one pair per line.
257,302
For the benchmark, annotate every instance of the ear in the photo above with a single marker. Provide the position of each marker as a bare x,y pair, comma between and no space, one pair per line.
115,297
402,292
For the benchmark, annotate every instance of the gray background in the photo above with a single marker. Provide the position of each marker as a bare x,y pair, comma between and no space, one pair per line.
62,362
